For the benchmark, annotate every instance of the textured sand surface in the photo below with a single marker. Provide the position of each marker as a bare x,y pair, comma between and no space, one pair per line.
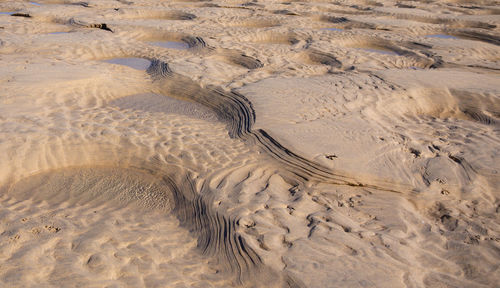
249,144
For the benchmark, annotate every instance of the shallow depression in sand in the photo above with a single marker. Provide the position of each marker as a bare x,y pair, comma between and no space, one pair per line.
95,185
380,51
133,62
150,102
86,220
171,44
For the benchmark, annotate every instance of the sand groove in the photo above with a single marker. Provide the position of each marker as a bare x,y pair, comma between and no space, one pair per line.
242,60
195,42
323,58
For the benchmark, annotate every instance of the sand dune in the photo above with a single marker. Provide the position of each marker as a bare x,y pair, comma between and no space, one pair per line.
249,144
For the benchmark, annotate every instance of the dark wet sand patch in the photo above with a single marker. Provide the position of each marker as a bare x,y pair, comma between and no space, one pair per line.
171,44
132,62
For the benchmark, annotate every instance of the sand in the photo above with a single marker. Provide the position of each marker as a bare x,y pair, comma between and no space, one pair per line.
249,144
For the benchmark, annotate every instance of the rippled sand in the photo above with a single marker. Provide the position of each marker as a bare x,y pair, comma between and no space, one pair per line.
249,144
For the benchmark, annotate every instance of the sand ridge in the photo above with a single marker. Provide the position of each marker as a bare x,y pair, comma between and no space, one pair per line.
272,151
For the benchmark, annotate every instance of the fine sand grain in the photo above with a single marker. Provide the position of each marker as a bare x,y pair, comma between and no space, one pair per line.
226,143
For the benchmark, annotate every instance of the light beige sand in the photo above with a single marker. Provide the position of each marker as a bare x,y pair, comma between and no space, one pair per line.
274,151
